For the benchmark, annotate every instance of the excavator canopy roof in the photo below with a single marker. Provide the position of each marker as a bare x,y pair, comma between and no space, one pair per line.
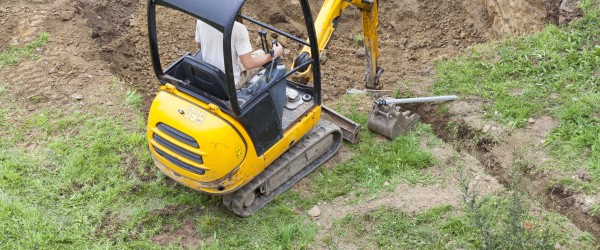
217,13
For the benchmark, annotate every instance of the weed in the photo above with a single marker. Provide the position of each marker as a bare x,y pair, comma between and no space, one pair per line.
358,40
505,222
134,99
15,55
595,210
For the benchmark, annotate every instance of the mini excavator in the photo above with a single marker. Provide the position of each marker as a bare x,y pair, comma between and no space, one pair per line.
249,144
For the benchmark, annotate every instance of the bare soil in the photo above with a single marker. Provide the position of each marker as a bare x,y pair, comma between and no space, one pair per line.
91,41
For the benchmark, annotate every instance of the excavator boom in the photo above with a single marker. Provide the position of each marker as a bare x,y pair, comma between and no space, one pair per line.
325,25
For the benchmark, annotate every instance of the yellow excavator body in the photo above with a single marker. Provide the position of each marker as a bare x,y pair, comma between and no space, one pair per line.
252,141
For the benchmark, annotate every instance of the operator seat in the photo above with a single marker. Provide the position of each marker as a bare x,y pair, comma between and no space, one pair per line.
205,77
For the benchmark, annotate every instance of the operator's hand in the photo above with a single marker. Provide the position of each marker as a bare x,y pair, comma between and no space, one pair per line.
277,50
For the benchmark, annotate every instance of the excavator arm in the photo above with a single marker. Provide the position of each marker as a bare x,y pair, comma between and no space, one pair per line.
325,25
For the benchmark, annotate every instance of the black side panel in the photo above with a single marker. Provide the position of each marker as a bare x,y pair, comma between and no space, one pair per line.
263,123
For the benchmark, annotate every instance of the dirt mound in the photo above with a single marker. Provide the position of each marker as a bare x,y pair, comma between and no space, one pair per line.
69,66
412,34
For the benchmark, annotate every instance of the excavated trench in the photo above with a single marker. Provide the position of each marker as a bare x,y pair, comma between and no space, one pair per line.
471,140
413,34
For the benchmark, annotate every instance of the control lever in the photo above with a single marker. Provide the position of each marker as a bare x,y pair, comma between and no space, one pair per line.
263,39
272,52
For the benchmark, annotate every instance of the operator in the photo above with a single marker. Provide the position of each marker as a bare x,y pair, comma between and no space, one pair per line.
245,62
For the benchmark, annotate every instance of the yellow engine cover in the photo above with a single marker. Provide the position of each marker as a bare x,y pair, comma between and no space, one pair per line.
191,142
206,149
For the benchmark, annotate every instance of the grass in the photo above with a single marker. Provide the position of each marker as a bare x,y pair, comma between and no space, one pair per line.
358,40
14,55
502,221
552,73
134,99
374,165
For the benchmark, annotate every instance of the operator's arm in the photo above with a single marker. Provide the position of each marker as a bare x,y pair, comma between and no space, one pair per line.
242,45
250,62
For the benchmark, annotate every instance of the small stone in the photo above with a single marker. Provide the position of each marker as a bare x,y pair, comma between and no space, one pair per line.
487,128
314,212
361,52
30,108
66,15
584,176
77,96
109,103
387,183
496,112
531,121
361,108
323,58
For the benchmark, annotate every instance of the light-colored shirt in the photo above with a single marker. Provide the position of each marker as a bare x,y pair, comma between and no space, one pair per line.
211,41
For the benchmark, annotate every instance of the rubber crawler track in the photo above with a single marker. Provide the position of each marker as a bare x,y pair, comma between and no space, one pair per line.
235,201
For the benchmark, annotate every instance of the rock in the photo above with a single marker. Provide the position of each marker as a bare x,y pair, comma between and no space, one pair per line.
77,96
386,183
531,121
584,176
361,52
361,108
487,128
109,103
314,212
569,10
66,15
323,58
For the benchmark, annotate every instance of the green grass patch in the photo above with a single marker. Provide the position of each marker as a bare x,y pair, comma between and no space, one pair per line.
523,74
14,55
491,222
555,73
134,99
373,162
